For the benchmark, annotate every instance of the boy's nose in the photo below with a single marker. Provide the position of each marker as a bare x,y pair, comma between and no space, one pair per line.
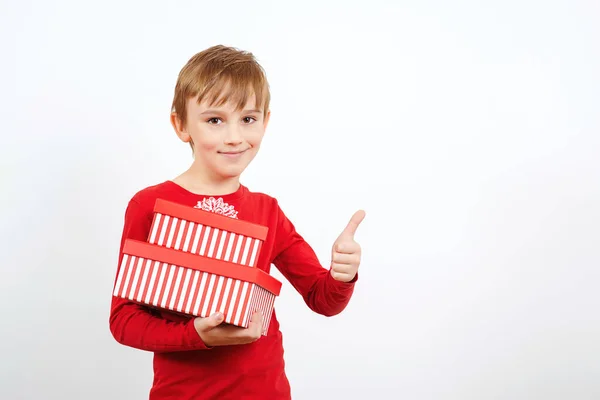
233,136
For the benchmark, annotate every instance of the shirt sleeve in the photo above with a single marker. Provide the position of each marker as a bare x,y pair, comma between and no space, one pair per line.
136,325
298,263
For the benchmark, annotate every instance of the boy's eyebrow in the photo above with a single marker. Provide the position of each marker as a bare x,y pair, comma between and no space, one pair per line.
219,111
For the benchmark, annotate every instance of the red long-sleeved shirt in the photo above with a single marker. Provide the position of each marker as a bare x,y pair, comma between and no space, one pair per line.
184,367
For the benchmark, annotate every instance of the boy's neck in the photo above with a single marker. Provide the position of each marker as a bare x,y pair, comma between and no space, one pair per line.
198,183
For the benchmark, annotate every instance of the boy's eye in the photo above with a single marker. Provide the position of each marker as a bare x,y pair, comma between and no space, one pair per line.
249,120
213,121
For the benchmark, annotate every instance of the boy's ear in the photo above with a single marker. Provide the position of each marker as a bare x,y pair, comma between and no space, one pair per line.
179,128
267,118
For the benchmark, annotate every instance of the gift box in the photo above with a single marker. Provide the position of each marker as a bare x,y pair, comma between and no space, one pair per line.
197,262
205,233
193,284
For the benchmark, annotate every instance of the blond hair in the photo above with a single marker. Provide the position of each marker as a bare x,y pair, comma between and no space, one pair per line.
221,74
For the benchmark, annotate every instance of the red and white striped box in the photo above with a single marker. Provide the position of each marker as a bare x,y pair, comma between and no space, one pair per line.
195,285
205,233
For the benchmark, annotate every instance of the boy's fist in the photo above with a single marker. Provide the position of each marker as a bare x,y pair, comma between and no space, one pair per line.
345,255
213,333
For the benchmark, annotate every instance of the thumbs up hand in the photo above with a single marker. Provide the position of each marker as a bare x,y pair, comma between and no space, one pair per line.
345,257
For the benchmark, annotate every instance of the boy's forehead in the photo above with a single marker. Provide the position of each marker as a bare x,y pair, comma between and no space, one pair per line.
228,105
225,102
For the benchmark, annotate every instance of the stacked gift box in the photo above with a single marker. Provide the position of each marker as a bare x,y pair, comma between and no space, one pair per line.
197,262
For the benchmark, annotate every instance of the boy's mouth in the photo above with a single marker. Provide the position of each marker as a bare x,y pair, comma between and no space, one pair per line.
232,154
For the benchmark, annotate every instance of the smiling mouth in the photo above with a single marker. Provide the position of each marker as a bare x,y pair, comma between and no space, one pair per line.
232,152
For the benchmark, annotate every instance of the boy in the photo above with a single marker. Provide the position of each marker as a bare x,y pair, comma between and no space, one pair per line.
221,108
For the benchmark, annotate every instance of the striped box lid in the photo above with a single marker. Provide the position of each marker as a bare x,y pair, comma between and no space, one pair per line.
205,233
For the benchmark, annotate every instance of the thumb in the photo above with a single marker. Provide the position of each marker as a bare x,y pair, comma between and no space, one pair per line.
205,324
352,226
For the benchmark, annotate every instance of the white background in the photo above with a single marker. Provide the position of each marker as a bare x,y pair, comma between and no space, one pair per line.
468,132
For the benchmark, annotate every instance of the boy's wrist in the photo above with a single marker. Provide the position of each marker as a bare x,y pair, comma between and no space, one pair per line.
194,336
341,283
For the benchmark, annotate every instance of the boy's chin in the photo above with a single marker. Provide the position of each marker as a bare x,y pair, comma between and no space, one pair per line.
229,173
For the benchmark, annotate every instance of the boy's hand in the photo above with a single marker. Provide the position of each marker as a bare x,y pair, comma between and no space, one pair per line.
213,333
345,257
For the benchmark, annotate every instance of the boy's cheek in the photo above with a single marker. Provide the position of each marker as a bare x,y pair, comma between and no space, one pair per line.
255,137
207,146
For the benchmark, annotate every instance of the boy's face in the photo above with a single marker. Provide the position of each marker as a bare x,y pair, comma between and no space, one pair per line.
225,140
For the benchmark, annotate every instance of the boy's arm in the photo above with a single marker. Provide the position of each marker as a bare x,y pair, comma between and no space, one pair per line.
138,326
297,261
